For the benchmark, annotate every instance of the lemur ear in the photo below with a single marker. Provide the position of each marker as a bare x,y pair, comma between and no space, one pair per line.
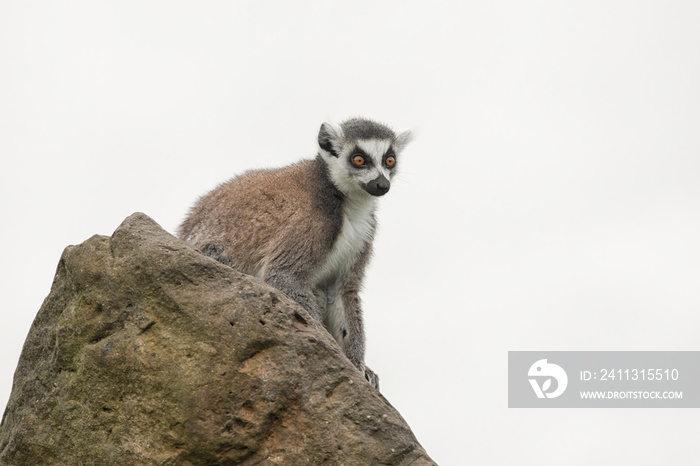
402,140
330,138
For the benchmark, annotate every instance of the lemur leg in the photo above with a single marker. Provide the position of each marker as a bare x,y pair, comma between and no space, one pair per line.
333,313
353,334
293,287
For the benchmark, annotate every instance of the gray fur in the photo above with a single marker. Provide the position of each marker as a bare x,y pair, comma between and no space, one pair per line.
306,229
361,128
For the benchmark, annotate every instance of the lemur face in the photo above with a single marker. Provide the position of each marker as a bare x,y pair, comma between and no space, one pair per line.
372,165
361,156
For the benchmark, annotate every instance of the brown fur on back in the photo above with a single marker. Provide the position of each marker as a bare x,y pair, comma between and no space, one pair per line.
269,216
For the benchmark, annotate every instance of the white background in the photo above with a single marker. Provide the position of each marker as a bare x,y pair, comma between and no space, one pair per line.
550,201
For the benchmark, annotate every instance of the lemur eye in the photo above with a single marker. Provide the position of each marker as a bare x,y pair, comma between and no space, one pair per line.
390,161
358,160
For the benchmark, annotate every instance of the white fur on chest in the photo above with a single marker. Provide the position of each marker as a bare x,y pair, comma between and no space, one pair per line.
356,231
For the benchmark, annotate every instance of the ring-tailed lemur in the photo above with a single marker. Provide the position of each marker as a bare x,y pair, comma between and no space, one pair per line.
307,229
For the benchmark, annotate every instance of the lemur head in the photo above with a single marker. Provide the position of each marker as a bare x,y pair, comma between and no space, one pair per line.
361,155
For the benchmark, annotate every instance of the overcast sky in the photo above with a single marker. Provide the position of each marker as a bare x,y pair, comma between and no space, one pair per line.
550,200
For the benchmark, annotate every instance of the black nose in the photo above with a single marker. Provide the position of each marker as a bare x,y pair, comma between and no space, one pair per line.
378,186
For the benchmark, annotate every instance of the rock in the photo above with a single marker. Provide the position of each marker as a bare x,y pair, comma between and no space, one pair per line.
146,352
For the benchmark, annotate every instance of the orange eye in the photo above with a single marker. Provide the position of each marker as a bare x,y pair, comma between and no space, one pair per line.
390,161
358,160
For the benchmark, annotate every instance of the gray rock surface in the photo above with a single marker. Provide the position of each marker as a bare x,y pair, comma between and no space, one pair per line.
146,352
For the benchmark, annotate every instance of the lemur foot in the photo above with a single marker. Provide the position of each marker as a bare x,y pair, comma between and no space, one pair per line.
372,378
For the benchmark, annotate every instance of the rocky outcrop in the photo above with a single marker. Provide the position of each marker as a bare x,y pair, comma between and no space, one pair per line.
146,352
